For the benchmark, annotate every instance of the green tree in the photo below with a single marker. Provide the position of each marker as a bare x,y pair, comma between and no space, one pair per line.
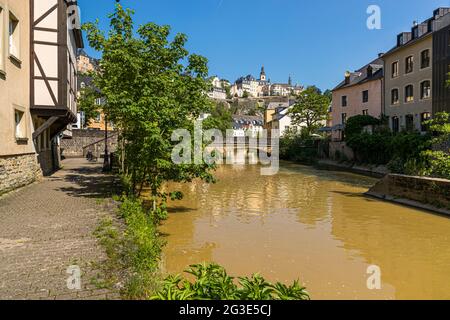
228,91
220,118
311,109
245,95
88,104
152,86
329,94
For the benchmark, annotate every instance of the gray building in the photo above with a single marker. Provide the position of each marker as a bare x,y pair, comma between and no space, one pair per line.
410,74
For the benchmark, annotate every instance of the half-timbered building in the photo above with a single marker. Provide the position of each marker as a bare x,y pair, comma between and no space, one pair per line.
38,78
54,39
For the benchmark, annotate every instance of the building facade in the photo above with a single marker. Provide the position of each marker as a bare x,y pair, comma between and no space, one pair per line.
414,82
441,63
85,63
247,126
18,165
360,93
55,39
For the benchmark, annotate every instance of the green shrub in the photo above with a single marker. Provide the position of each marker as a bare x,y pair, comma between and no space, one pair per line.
371,148
408,145
430,163
355,125
213,283
298,148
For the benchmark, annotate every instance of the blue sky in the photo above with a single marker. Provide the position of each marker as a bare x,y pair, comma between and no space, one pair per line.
314,41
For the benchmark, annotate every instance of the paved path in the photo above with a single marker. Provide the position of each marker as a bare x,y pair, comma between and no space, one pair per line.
47,227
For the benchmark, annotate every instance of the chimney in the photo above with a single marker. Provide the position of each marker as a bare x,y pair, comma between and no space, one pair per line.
347,77
369,71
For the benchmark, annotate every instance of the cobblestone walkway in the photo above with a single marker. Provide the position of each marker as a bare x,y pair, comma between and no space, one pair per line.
47,227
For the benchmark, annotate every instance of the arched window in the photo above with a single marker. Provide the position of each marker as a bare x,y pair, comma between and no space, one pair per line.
425,89
394,96
409,93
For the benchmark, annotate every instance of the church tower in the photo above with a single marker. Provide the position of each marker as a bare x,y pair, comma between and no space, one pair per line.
262,75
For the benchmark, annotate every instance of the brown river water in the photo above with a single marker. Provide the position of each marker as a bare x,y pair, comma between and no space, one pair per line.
311,225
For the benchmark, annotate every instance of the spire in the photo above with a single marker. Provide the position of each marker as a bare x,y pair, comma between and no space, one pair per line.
262,75
290,80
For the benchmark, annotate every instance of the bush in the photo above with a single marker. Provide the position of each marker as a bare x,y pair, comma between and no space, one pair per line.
298,148
213,283
430,163
355,125
371,148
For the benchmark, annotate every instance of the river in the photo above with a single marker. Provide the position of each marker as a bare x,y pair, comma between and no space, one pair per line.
311,225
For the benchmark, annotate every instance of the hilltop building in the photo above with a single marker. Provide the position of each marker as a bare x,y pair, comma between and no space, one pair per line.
262,87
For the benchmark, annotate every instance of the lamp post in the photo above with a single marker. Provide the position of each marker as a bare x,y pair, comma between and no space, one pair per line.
106,164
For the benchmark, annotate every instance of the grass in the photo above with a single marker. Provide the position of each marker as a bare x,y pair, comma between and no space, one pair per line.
133,248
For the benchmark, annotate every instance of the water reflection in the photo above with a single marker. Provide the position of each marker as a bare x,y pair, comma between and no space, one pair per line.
312,225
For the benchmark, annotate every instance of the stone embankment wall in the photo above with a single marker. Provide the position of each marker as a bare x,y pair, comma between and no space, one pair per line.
17,171
427,193
83,141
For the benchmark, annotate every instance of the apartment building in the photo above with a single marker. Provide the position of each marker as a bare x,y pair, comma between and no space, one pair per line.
360,93
18,165
416,71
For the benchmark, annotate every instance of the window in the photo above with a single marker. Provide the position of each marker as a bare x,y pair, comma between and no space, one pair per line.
344,101
409,64
425,59
14,41
395,69
409,120
344,118
98,117
395,125
425,89
366,112
20,129
409,93
365,96
423,118
394,96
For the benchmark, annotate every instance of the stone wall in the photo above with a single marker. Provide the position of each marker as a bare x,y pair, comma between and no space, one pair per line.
426,191
17,171
88,140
